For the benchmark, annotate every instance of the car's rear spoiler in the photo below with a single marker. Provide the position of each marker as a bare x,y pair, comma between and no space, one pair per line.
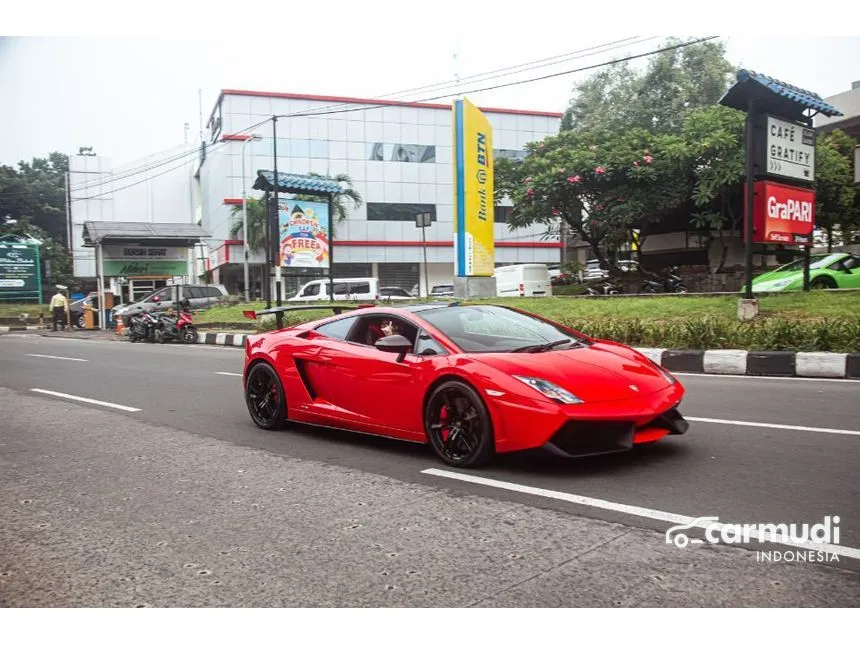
336,308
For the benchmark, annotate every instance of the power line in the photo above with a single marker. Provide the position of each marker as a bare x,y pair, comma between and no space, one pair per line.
441,96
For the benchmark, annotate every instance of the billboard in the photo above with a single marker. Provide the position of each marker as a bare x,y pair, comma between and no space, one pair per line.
473,192
783,214
20,273
303,234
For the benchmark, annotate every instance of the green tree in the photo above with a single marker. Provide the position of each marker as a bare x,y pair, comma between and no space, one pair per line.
658,98
836,198
601,184
257,211
36,191
713,138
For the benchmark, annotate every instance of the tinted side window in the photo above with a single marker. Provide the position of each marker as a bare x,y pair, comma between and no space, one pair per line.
311,290
192,292
426,346
211,292
359,287
340,289
337,329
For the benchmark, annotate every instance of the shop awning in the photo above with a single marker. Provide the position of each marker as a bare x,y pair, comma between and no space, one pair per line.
162,233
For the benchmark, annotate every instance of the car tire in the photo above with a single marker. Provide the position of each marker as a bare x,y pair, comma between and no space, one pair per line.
81,322
822,282
455,411
264,396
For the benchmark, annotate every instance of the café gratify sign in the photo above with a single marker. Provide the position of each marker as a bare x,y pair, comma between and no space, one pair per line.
789,150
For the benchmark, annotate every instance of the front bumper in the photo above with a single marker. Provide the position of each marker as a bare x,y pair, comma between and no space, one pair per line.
586,438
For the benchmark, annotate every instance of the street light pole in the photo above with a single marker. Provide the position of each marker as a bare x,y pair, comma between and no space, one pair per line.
254,137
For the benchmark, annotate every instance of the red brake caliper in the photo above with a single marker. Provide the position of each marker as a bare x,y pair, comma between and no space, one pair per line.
443,417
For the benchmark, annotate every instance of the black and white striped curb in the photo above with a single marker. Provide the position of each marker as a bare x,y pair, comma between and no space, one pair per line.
741,362
232,340
737,362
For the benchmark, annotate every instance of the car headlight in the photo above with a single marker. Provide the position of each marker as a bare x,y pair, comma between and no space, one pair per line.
666,373
549,389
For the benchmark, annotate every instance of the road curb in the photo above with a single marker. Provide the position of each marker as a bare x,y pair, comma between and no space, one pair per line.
20,328
740,362
737,362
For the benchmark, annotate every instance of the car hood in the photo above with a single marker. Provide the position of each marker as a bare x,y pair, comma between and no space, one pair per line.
602,371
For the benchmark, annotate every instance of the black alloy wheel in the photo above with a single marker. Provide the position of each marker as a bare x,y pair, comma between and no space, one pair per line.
264,396
458,426
822,282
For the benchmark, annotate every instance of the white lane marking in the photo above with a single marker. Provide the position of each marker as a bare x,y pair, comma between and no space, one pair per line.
106,404
777,426
228,374
59,358
639,511
784,379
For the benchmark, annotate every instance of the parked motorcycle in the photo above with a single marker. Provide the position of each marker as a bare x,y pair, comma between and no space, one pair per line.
603,288
669,283
178,327
142,326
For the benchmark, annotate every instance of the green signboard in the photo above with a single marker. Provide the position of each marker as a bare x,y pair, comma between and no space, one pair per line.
129,268
20,273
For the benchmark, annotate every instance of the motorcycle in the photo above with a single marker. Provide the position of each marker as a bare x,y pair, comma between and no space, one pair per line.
670,283
141,326
179,327
603,288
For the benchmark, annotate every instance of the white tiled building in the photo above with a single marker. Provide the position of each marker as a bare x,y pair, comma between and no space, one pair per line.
399,156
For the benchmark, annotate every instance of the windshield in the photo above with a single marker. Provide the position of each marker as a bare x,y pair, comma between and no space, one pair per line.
815,262
496,329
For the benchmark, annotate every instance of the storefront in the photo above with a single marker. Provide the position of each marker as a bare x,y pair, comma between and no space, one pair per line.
134,258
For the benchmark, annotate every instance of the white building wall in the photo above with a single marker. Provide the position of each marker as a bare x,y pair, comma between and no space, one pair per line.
339,142
157,188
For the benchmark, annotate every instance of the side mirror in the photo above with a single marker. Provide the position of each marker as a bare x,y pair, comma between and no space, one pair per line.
395,345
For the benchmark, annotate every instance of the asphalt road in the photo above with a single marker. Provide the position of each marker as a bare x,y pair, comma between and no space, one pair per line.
739,473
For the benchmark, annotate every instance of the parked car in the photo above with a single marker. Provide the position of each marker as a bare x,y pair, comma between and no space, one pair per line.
394,293
200,296
344,289
527,280
827,271
442,290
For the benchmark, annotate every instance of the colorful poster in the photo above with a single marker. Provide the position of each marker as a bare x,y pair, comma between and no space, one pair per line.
304,233
474,239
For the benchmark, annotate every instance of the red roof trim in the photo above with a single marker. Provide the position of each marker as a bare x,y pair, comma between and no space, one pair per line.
346,99
233,201
235,137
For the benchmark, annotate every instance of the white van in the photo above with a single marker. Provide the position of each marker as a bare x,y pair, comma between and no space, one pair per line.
344,289
526,280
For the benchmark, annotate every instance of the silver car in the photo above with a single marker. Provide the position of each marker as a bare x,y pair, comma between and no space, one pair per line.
201,296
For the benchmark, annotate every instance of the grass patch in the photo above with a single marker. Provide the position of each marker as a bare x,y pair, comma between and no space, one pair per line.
819,321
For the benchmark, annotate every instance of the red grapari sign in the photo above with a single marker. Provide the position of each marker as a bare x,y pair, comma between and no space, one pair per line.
783,214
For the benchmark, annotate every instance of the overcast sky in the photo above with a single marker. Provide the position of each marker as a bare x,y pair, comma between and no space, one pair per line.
130,95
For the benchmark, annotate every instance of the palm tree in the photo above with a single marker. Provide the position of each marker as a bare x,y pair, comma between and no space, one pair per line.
257,211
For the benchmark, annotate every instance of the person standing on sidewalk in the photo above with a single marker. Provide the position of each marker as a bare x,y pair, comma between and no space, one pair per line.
59,307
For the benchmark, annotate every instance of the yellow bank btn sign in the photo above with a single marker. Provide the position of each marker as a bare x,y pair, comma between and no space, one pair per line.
473,191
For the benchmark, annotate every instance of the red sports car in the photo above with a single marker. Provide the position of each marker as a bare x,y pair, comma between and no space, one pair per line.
470,380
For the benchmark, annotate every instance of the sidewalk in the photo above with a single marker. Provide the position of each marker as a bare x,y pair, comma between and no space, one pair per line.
99,509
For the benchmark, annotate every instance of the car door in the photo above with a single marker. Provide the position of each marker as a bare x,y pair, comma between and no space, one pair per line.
850,274
384,395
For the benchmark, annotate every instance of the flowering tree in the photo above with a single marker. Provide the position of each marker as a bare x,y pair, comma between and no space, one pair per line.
602,184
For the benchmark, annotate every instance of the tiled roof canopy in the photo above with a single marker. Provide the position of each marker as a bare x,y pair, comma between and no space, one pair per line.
772,95
291,183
